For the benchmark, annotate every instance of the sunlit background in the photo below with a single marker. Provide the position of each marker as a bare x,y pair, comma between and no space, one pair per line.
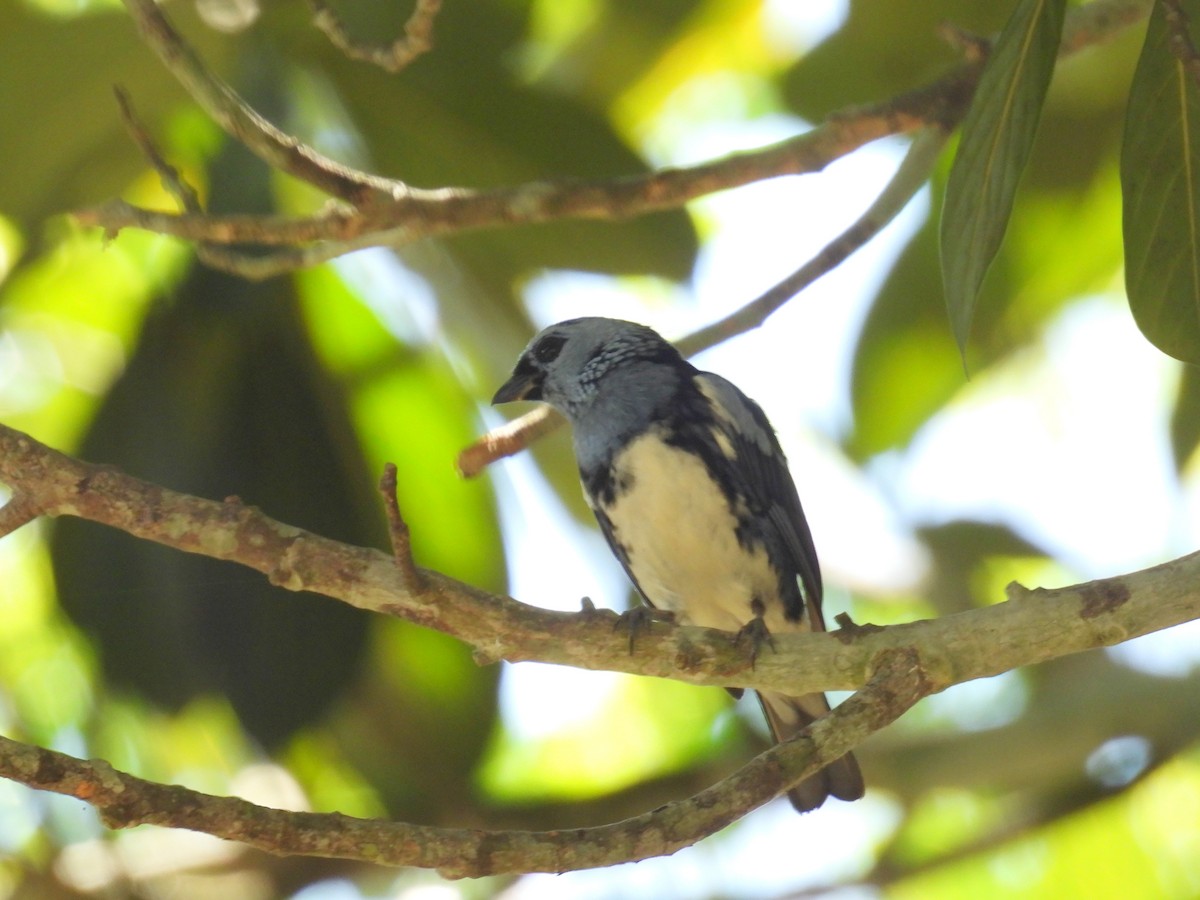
1057,451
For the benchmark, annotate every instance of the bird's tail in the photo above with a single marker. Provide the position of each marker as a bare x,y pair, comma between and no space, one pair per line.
841,778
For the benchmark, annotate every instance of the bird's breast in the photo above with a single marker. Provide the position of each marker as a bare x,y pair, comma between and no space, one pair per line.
680,537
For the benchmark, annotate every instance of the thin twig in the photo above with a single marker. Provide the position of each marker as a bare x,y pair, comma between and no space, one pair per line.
515,436
393,57
188,197
279,150
172,180
507,440
21,509
388,212
401,538
973,47
910,177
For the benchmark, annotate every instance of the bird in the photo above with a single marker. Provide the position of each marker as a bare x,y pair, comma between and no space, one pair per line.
690,488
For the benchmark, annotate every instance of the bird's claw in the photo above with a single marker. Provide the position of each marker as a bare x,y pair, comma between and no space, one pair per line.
756,634
848,629
638,618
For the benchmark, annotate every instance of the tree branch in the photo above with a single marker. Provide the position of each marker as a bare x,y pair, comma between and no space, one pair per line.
1034,626
513,437
386,212
242,123
1085,26
409,213
897,665
416,40
124,801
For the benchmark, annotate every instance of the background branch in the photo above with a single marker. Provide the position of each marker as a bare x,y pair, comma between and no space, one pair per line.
389,212
513,437
416,40
124,801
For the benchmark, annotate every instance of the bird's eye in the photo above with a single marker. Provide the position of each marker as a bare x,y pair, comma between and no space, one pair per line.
548,349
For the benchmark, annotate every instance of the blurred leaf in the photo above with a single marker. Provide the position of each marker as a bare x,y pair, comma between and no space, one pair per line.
598,52
997,138
418,727
1185,417
906,365
1129,845
643,728
61,139
961,550
902,43
1082,119
223,398
73,311
461,117
942,821
1160,168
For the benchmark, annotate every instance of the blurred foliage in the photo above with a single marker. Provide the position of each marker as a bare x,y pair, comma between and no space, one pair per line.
997,137
1159,167
292,394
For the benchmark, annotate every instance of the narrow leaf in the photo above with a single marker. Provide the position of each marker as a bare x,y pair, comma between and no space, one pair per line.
1160,171
996,141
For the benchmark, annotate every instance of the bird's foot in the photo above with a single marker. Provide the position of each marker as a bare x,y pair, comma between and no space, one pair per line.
756,634
590,611
848,629
639,618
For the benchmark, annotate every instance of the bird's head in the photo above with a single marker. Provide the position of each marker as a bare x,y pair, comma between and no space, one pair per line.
574,363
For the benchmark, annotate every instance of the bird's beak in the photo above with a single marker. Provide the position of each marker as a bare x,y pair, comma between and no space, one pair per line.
522,386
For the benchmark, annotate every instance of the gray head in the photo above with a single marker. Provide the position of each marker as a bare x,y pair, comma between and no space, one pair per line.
602,374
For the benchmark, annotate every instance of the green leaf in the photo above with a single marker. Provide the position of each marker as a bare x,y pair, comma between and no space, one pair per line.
997,139
1160,166
1185,418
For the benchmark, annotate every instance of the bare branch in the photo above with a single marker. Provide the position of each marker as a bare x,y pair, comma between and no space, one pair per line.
414,213
389,212
513,437
393,57
508,439
21,509
413,580
279,150
1033,626
184,193
910,177
171,179
1100,21
124,801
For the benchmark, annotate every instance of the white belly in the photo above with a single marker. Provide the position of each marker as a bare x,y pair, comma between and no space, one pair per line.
681,539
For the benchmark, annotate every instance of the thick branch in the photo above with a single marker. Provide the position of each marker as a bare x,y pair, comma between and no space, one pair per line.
124,801
1032,627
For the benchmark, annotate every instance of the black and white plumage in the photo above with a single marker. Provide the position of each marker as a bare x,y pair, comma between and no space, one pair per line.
691,489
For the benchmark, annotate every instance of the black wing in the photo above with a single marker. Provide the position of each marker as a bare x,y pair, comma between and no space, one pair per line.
761,489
